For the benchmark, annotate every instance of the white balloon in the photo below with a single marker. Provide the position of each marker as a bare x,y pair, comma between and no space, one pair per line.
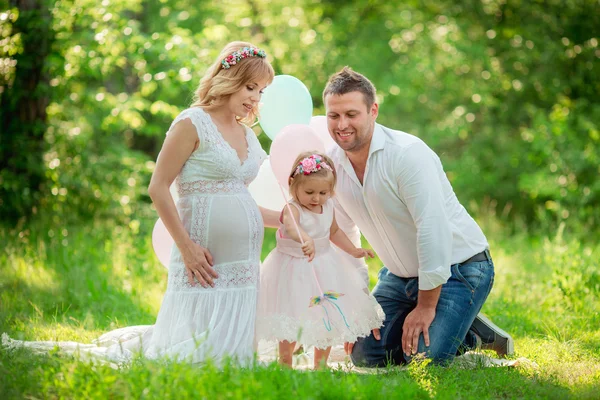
286,101
319,125
265,188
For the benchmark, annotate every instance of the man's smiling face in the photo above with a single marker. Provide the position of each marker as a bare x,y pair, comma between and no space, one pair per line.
350,121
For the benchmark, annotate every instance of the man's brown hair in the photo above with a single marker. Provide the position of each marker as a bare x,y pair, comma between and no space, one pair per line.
346,81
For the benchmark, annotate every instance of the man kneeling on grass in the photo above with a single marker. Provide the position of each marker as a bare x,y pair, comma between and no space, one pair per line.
438,269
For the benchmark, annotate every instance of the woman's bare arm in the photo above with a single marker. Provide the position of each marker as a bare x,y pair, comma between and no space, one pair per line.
177,148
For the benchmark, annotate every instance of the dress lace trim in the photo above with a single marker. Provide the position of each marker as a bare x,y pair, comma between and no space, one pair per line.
210,187
256,226
278,327
232,275
200,220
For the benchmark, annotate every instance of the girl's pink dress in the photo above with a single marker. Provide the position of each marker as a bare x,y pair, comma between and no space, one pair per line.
287,285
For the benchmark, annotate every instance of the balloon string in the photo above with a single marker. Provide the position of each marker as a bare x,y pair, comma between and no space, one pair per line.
340,310
317,281
323,298
287,204
328,322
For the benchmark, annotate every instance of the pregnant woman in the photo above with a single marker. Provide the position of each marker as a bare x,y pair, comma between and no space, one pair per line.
209,308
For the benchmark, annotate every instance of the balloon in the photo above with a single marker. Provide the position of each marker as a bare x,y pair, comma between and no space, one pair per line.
319,124
265,189
162,242
291,141
286,101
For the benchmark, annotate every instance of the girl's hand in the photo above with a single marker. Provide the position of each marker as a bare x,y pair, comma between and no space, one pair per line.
360,253
198,263
309,249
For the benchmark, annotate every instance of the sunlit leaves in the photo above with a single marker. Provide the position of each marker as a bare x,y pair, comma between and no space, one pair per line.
500,90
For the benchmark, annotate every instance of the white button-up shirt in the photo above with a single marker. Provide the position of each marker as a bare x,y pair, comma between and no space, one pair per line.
406,208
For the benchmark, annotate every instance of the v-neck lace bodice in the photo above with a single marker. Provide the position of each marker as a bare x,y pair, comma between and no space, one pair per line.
215,159
247,131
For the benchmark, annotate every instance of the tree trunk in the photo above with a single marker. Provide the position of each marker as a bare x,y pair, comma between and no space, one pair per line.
24,97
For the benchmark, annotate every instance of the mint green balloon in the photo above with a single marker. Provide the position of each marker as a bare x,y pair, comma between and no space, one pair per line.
286,101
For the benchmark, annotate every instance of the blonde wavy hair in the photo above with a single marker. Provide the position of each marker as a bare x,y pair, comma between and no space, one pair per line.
219,84
323,173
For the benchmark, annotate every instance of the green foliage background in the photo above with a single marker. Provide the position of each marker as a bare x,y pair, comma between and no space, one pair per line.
505,92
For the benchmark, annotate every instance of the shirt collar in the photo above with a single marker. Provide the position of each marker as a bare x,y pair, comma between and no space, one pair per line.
378,140
377,143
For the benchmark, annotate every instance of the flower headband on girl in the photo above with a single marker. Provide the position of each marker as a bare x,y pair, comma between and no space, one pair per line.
239,55
311,164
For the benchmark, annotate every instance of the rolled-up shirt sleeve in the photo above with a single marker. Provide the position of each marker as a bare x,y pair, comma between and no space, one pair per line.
420,188
351,230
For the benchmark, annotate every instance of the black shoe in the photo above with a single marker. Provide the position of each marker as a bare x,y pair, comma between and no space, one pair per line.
492,337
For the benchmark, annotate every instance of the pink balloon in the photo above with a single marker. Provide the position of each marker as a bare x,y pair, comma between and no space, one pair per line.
162,242
265,189
319,124
287,145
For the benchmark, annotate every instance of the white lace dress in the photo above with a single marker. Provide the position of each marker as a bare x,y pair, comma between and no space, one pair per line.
196,323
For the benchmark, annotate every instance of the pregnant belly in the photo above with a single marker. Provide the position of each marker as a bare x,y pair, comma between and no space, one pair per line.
234,229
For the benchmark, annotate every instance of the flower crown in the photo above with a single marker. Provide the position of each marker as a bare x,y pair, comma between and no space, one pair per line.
239,55
311,164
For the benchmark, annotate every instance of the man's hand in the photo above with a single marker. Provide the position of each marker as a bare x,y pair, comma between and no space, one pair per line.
417,321
349,346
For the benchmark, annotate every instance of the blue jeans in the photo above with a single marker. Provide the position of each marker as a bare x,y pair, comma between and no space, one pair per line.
460,300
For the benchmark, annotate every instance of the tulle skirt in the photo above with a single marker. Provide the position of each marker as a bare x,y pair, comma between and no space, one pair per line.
287,309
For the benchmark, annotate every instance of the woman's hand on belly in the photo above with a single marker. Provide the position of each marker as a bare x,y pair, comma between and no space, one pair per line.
198,264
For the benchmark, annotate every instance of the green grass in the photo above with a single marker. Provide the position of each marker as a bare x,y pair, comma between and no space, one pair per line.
77,283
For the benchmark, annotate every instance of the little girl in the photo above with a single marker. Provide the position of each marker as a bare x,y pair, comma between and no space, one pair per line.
309,293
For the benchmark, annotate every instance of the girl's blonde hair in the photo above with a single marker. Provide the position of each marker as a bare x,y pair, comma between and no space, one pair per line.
323,173
218,84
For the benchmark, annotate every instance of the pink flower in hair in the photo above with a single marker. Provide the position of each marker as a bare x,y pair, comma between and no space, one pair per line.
309,165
